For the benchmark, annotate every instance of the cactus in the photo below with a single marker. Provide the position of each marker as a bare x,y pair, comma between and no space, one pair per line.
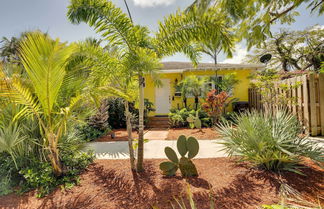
194,121
188,149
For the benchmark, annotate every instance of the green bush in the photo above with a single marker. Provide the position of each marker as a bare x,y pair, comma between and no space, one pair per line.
89,133
33,172
271,142
178,118
116,112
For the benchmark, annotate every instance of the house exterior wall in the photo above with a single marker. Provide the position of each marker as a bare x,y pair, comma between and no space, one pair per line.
240,91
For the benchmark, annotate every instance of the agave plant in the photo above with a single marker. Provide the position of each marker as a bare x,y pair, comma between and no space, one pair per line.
273,142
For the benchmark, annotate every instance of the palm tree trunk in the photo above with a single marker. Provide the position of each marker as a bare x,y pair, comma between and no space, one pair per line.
140,151
129,133
54,155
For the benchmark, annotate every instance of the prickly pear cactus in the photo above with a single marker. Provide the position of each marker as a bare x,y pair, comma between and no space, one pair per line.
187,167
188,149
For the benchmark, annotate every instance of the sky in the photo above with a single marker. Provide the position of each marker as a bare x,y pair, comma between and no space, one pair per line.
49,16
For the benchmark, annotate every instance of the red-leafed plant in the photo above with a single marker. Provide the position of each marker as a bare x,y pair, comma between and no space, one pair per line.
215,104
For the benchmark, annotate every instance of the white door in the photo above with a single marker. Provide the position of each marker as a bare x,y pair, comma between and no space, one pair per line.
162,97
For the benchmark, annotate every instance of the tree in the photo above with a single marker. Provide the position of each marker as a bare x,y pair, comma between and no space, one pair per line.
133,42
255,17
193,85
293,50
45,62
214,44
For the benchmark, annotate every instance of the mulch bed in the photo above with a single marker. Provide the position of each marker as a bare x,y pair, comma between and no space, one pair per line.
110,184
204,133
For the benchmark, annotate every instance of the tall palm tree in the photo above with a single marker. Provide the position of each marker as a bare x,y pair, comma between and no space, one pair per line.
45,62
142,51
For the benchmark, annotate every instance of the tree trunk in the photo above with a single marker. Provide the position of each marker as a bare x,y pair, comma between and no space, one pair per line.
129,133
140,151
54,155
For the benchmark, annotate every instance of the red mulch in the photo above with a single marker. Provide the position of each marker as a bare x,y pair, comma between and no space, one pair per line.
120,135
110,184
204,133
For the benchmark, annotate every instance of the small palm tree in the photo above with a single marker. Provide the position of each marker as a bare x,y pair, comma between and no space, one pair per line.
45,61
193,85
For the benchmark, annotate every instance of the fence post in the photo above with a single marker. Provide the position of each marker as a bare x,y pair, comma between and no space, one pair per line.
306,104
321,100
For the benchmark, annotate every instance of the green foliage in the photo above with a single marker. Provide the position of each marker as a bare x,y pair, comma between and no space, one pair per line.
188,149
40,175
89,133
265,81
254,18
192,86
178,118
293,50
194,121
272,142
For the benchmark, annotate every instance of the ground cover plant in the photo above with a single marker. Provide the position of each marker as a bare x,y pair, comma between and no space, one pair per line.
274,142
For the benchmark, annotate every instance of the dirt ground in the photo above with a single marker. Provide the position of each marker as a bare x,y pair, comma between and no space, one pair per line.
204,133
109,184
174,133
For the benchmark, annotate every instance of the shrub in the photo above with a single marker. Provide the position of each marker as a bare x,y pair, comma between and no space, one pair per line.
216,104
116,111
273,142
178,118
89,133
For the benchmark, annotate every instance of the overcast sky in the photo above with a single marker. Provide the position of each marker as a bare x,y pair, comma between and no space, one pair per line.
49,16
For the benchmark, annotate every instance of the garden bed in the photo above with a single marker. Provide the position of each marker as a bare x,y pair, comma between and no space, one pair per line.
111,184
204,133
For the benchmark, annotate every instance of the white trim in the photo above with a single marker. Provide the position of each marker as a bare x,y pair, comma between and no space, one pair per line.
229,67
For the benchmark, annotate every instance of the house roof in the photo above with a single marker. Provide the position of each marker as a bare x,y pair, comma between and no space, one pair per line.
176,67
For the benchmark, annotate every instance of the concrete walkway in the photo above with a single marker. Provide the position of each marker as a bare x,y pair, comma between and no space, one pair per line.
154,149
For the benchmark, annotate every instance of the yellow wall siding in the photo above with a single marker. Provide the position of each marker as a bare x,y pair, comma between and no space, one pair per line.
240,90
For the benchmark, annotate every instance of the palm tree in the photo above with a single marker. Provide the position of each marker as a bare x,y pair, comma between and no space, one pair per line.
193,85
45,62
133,42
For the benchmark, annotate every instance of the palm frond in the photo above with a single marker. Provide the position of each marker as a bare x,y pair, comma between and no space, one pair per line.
45,61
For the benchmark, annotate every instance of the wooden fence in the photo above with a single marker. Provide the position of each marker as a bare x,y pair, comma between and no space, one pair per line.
306,100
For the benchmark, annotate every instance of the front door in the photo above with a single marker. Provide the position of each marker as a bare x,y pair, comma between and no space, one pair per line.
162,97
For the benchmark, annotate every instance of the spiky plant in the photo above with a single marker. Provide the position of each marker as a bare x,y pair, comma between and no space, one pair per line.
273,142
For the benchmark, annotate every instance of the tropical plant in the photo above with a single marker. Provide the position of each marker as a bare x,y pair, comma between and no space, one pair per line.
44,60
216,104
188,149
273,142
178,118
226,83
192,86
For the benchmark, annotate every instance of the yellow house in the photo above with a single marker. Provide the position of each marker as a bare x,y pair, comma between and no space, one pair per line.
165,97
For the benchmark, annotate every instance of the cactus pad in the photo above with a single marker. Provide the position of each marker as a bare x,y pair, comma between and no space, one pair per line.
171,155
182,145
187,167
193,147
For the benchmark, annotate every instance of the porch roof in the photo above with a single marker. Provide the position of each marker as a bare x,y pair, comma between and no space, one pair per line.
179,67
